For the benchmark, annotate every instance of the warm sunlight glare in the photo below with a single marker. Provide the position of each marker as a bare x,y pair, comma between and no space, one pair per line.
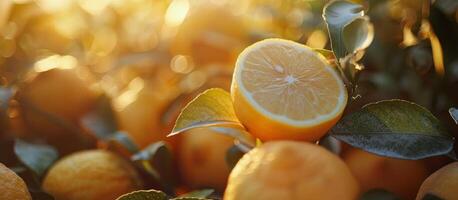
176,12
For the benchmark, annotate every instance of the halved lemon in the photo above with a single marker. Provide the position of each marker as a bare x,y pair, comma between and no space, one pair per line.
284,90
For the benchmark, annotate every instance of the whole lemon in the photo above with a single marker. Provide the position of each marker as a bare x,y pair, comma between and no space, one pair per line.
291,170
443,183
91,175
12,187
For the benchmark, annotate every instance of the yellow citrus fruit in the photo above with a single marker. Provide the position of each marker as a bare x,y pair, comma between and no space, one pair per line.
91,175
12,187
291,170
202,158
285,90
402,177
443,183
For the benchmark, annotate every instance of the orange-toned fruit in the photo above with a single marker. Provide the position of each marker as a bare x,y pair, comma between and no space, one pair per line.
291,170
139,109
201,158
91,175
285,90
12,187
210,34
402,177
63,93
443,183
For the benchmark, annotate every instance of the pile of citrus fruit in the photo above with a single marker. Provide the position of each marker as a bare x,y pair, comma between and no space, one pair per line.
285,94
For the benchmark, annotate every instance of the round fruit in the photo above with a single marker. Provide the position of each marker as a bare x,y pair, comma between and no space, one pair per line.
402,177
63,93
139,110
291,170
12,186
202,158
443,183
207,39
91,175
285,90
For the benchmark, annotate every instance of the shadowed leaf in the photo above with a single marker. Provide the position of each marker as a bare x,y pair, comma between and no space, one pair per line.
37,157
233,155
197,194
454,114
157,160
395,128
120,139
144,195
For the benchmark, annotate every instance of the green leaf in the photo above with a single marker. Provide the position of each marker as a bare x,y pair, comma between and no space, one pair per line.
394,128
120,139
5,96
325,53
233,156
198,194
349,29
213,107
144,195
37,157
379,194
454,114
189,198
101,121
157,160
331,144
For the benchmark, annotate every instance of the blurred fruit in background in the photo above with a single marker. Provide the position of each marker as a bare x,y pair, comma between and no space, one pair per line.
442,183
401,177
138,110
101,174
291,170
201,158
61,93
12,186
210,34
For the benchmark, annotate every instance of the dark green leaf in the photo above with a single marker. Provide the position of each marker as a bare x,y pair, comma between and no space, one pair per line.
121,138
454,113
37,157
349,29
101,122
5,96
331,144
233,155
394,128
144,195
157,160
189,198
431,197
198,194
379,194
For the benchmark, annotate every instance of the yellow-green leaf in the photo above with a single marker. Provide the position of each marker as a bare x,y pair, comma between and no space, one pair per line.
144,195
211,108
